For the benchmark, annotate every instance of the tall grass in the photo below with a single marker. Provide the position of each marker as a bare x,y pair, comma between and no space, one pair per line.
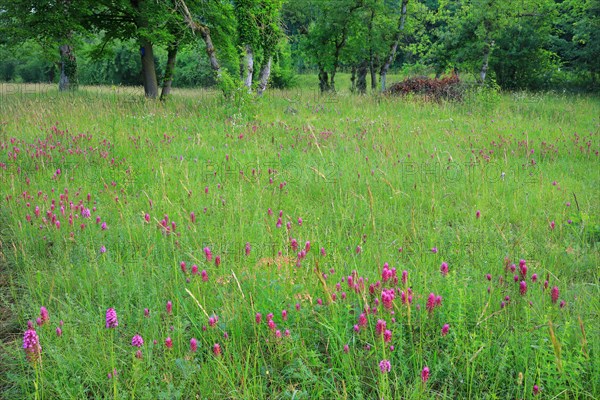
374,180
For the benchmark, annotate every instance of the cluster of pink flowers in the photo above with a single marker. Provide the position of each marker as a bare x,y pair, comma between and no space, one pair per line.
433,301
387,297
381,326
554,293
137,341
385,366
164,224
31,345
523,268
111,318
387,274
208,254
44,317
362,322
445,329
523,288
444,268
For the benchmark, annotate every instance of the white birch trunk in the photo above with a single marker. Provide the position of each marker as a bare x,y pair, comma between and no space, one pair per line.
392,54
486,59
263,80
249,68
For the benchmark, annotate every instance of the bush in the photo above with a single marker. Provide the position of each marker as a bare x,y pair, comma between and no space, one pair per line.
282,78
28,63
283,75
446,88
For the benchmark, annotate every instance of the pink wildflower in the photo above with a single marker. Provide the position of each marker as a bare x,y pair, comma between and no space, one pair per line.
111,318
385,366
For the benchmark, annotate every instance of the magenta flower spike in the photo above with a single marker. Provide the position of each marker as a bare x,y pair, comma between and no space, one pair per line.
111,318
385,366
444,268
445,329
554,293
137,341
31,345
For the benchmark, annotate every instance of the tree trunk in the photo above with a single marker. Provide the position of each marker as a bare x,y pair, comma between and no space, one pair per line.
332,79
249,67
148,69
205,33
68,69
336,59
210,50
392,54
353,79
263,79
323,81
361,84
487,50
169,71
371,57
373,74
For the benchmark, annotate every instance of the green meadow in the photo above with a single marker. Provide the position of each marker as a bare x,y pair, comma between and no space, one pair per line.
288,247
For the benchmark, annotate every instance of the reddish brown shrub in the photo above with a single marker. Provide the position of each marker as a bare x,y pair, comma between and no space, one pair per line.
446,88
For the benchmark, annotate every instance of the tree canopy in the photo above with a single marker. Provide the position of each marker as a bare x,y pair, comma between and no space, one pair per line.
525,44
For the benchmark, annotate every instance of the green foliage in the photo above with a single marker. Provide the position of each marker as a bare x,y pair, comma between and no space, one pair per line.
533,44
232,88
484,98
576,37
193,68
283,75
219,17
247,27
119,64
518,34
326,26
521,58
27,63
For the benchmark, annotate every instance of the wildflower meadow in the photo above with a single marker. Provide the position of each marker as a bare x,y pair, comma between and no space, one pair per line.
298,246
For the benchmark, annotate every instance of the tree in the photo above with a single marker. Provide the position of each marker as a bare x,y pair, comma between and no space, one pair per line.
394,46
218,16
509,38
52,24
248,36
576,36
325,29
366,44
270,34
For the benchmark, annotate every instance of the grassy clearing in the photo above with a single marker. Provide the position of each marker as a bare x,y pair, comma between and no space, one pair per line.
373,180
